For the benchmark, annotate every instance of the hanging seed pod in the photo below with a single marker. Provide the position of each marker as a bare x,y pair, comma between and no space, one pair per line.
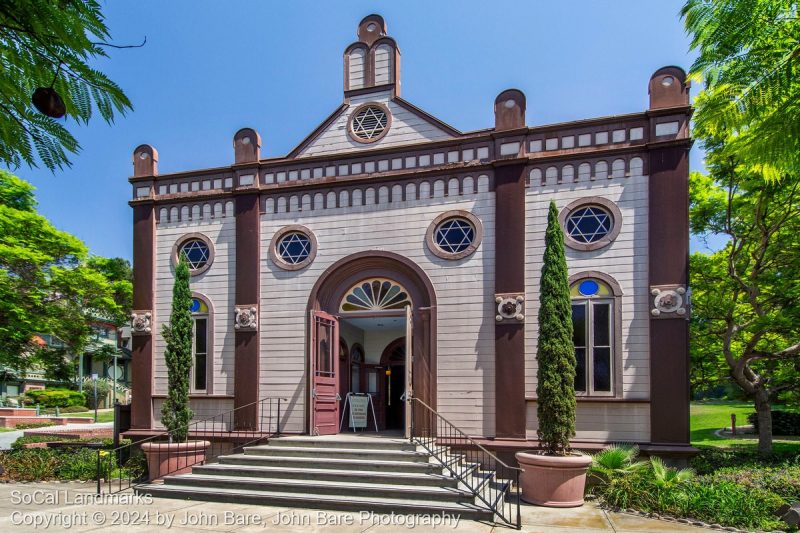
48,102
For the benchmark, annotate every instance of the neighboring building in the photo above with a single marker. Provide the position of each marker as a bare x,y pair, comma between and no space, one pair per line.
303,266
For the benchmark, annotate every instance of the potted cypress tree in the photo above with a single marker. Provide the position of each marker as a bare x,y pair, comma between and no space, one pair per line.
554,476
179,454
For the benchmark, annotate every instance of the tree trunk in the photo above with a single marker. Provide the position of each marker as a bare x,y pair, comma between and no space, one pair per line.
764,414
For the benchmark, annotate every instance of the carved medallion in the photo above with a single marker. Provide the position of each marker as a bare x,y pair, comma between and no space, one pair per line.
246,318
141,322
510,307
669,301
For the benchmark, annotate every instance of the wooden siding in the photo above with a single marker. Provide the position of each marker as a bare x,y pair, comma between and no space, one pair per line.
604,422
464,292
356,68
383,64
625,260
203,409
216,284
406,128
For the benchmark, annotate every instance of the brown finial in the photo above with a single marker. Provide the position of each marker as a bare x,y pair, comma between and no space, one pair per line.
669,88
145,161
246,146
509,110
371,28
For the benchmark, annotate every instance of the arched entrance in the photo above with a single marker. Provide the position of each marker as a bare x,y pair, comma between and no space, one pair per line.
391,275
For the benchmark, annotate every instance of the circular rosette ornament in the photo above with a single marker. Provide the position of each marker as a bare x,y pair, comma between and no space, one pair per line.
246,318
510,308
668,301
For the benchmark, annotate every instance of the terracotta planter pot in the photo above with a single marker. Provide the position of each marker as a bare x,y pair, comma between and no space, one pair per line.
164,458
551,480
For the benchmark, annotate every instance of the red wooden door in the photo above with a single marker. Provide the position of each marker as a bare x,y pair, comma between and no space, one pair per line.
324,374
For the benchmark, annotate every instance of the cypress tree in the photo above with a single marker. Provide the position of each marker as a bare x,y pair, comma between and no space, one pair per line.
175,412
555,352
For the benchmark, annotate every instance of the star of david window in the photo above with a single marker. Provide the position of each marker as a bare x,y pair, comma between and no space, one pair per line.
294,247
196,253
197,250
454,235
369,123
589,224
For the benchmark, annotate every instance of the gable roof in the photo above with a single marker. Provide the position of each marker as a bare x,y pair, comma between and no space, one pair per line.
410,125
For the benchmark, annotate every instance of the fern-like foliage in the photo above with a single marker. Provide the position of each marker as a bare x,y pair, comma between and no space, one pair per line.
749,60
42,41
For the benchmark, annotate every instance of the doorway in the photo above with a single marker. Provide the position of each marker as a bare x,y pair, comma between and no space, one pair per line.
374,365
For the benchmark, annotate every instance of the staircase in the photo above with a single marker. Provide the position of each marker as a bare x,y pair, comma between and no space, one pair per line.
340,472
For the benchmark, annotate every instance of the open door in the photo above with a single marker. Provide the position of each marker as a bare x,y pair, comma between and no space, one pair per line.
409,369
325,397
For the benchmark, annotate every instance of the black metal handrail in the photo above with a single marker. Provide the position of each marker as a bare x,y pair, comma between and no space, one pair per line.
487,477
226,432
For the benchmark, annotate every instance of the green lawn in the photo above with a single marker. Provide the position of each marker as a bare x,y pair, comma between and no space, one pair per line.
103,415
709,416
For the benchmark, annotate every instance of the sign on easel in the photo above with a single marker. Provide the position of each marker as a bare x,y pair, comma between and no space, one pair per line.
359,403
358,411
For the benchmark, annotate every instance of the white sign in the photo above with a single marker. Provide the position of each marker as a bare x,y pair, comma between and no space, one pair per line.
358,411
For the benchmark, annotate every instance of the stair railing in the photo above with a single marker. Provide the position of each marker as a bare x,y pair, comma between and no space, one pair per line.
227,432
487,477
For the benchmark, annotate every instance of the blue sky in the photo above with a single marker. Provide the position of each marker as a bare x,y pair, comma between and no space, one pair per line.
211,68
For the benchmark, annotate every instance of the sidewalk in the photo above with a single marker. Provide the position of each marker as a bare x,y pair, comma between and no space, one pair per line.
70,507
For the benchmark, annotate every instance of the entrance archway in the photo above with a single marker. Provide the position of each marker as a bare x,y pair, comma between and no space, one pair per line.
331,287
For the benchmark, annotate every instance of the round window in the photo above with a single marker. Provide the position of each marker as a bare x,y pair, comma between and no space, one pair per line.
293,247
589,224
454,234
196,253
197,250
369,123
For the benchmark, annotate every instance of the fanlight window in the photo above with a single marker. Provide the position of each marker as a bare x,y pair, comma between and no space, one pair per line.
370,122
589,224
196,253
375,295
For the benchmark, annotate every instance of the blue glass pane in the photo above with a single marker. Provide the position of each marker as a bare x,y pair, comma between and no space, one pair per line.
588,287
195,307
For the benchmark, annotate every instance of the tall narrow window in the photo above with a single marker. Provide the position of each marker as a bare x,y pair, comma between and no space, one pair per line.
199,373
592,321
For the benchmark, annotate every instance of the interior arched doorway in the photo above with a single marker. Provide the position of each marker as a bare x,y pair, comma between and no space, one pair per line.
326,311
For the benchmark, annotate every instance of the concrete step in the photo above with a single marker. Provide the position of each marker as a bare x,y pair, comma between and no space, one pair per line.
322,461
344,441
362,454
326,474
318,487
338,502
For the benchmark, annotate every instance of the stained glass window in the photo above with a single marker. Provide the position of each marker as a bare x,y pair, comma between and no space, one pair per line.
592,326
199,375
589,224
196,253
294,247
454,235
375,295
370,122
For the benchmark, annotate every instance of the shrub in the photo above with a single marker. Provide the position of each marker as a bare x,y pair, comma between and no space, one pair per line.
711,458
722,498
30,465
21,441
34,425
81,464
56,397
784,423
614,461
783,480
67,410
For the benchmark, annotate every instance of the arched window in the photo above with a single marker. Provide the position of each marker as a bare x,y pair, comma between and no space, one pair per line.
375,294
200,345
593,322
